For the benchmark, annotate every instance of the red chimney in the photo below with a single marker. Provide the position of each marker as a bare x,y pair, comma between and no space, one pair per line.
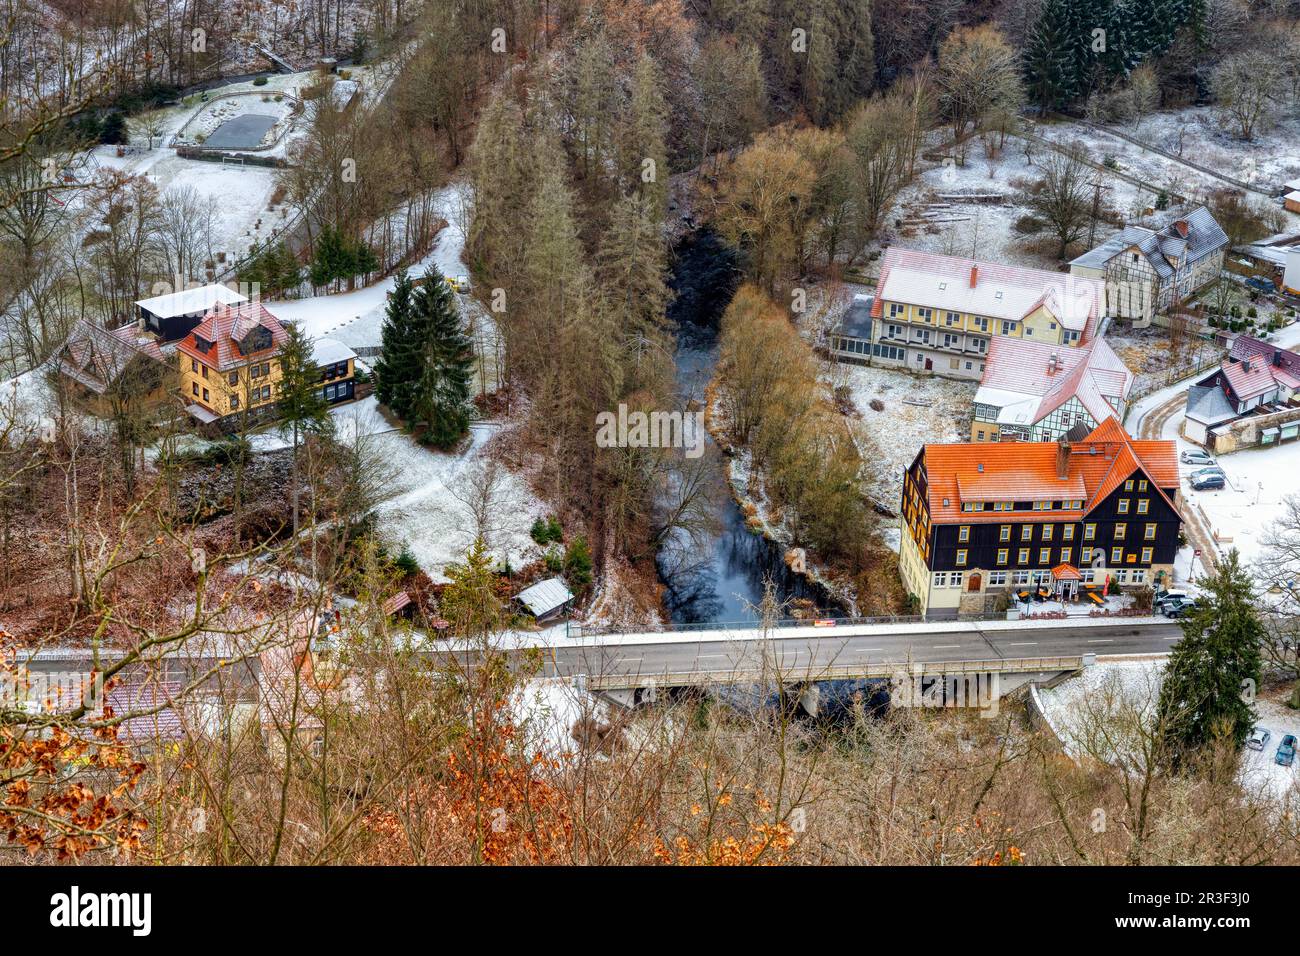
1062,459
1181,226
974,275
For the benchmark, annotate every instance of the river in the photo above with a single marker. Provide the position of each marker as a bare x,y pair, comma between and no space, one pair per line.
718,576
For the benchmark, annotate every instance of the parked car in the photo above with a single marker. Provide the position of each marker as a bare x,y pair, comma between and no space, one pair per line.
1258,738
1171,594
1207,482
1178,608
1286,751
1261,285
1210,470
1193,457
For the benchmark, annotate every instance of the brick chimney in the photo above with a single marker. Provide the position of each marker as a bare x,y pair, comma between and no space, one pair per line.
1181,226
1062,458
974,275
1053,363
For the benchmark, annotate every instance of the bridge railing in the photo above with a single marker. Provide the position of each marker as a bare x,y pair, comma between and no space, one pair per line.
828,672
576,629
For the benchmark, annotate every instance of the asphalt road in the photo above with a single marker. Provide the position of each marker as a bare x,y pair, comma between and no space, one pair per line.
841,647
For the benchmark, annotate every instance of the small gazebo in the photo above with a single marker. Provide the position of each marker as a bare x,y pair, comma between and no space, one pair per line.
1065,580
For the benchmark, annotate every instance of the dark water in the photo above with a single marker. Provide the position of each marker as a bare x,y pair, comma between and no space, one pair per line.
719,576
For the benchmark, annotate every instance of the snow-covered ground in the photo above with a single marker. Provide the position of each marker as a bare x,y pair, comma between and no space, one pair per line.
1273,155
1258,479
985,231
357,318
1092,714
240,195
917,409
422,511
1267,161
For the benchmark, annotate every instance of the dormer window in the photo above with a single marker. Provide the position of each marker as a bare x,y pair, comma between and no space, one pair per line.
256,340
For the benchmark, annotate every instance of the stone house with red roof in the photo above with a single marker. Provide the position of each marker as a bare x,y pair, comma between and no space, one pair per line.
981,520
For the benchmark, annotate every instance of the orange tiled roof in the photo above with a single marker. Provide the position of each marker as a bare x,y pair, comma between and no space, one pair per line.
226,325
1027,471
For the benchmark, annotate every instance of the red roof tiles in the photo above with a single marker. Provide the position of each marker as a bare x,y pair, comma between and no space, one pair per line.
228,325
1027,471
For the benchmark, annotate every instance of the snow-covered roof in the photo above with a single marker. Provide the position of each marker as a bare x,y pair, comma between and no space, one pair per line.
341,93
1189,238
96,357
545,596
329,351
191,301
1027,381
984,288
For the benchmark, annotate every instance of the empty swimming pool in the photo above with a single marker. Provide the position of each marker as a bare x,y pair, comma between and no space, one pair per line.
242,132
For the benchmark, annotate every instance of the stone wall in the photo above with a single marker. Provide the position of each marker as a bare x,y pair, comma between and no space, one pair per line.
1245,432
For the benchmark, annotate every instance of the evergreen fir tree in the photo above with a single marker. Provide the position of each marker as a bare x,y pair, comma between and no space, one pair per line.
113,130
645,157
1051,65
442,396
331,259
398,370
1206,693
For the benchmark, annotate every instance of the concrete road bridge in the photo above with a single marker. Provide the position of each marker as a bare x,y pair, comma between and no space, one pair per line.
974,655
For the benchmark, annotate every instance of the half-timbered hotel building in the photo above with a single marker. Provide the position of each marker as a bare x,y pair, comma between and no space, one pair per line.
980,519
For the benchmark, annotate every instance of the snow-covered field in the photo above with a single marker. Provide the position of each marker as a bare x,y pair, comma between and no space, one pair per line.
422,511
1270,159
986,231
1275,154
240,195
917,409
1093,715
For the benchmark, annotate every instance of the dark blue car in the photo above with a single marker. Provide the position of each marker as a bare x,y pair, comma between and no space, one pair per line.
1286,751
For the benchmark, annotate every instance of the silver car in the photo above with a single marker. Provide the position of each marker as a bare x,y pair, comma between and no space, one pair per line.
1258,739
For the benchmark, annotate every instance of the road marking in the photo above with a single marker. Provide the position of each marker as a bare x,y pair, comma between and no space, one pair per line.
1105,641
1178,638
1023,644
865,650
628,660
944,647
704,657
